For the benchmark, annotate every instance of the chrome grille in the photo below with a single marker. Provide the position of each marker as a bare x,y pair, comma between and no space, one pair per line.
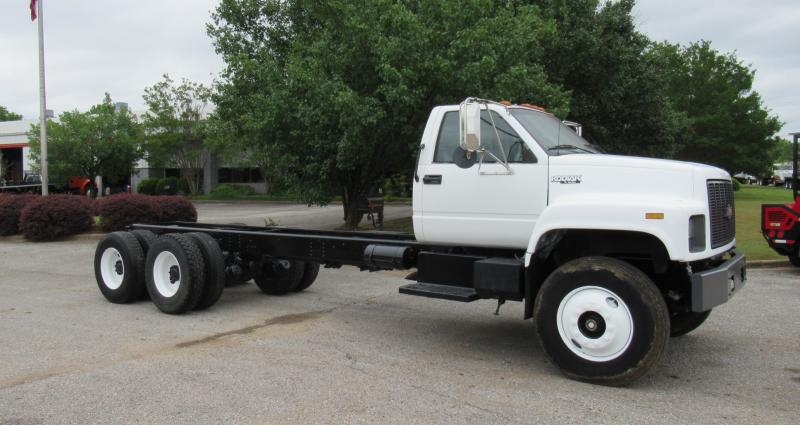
722,212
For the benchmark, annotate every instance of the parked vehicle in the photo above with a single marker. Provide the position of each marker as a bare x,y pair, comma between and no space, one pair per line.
746,178
31,183
610,255
782,175
780,223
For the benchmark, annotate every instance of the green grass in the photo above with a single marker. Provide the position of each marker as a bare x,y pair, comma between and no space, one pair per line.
748,219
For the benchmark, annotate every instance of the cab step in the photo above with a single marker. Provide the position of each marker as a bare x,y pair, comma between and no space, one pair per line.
444,292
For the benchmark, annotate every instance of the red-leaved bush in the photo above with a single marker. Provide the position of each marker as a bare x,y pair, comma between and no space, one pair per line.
10,208
121,210
176,208
52,217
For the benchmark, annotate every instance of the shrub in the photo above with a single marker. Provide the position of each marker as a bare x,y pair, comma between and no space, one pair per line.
10,208
167,186
736,185
176,208
120,210
230,191
56,216
172,186
147,187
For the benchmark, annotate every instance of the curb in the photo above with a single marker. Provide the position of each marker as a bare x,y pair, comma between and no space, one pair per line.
768,264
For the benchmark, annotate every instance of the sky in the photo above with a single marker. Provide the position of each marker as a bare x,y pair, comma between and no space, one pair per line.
123,46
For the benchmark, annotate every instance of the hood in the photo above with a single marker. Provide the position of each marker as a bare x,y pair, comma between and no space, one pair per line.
600,175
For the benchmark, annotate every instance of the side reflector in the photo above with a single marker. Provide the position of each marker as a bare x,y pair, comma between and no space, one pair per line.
654,216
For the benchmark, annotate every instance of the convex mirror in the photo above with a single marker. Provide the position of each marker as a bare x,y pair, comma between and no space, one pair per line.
469,115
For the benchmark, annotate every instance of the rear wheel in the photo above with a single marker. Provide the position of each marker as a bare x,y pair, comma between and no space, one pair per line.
119,267
795,259
309,276
277,277
175,273
683,323
145,238
214,271
601,320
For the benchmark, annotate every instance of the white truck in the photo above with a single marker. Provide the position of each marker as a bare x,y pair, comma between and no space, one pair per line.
610,255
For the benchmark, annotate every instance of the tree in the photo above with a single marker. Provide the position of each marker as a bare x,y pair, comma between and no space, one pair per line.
6,115
783,151
105,141
335,94
616,88
727,124
176,127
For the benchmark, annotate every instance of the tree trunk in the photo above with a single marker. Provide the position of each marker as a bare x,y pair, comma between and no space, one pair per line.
350,204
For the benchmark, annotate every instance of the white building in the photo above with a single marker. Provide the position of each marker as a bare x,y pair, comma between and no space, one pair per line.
14,150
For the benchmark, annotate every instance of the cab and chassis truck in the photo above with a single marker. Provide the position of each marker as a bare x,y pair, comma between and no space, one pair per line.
611,255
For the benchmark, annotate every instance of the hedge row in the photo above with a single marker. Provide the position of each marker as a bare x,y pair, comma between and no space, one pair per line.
10,208
46,218
56,216
118,211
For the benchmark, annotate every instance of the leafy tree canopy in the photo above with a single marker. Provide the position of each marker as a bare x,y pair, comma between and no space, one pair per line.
6,115
330,96
104,141
337,92
176,126
728,126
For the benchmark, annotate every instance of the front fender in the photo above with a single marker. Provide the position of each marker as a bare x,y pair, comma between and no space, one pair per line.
624,213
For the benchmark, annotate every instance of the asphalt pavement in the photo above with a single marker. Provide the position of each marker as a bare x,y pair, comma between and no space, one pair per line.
351,349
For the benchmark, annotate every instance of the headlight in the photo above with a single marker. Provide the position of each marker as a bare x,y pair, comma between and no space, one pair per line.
697,233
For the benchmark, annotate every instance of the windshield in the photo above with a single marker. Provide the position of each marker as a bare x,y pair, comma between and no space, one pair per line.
553,136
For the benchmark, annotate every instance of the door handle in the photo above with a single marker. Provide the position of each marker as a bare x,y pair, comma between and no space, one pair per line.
432,179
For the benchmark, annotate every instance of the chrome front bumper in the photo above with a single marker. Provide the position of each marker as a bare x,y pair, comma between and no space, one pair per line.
716,286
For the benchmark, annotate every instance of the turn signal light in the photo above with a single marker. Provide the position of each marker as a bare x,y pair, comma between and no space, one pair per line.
654,216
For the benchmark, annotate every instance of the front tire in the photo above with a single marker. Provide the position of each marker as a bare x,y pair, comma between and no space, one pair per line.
601,320
683,323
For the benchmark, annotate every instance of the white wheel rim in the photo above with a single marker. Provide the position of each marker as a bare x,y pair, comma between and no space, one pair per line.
595,323
167,274
112,268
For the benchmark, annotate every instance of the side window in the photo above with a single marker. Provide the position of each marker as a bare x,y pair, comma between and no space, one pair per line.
447,141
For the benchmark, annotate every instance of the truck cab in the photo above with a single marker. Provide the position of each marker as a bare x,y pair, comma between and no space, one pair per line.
534,176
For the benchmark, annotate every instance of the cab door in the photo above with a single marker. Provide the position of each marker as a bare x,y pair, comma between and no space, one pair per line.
484,204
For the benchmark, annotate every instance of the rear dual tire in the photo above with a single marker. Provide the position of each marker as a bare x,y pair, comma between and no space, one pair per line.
214,270
279,277
175,273
119,268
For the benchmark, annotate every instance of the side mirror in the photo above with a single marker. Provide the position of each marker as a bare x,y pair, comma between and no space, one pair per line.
574,126
469,116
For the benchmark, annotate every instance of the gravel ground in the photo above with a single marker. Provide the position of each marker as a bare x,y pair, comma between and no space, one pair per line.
353,350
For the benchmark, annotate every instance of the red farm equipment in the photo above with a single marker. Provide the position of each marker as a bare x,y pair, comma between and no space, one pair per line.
780,223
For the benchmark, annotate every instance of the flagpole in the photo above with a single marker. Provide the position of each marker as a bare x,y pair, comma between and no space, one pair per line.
42,103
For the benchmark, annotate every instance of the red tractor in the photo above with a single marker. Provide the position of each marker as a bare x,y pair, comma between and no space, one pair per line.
780,223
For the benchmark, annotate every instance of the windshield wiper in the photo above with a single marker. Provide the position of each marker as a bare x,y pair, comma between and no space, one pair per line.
568,147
